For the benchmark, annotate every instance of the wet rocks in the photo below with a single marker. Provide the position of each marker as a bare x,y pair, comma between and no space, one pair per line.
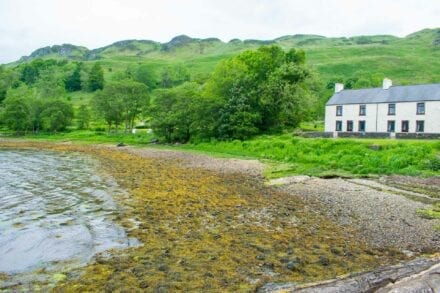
420,275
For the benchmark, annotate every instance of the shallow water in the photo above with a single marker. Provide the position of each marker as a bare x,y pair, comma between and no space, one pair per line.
54,209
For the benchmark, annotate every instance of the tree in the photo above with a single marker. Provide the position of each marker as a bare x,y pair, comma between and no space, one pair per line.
172,76
83,117
50,84
29,74
57,115
96,78
287,98
175,112
261,90
73,81
121,101
8,79
144,74
16,114
238,119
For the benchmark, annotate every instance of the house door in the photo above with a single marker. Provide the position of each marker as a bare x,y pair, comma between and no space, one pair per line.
391,126
361,126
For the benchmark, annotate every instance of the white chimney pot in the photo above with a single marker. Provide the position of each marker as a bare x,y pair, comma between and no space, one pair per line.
339,87
387,83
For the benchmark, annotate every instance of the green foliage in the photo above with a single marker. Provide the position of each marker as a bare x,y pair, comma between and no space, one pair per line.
73,81
56,116
15,114
430,213
262,90
238,119
434,164
121,102
25,110
144,74
50,84
96,78
175,112
172,76
8,79
29,74
327,157
83,117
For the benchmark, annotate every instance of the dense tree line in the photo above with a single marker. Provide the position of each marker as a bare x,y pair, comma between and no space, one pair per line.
23,111
257,91
34,96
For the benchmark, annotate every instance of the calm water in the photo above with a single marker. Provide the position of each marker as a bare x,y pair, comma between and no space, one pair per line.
54,209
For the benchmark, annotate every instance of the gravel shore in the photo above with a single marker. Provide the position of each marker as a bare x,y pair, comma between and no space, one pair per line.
383,218
191,160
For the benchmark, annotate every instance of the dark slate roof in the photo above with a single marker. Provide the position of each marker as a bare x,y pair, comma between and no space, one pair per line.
410,93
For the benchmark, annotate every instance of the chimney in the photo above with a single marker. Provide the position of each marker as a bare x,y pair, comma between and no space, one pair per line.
339,87
387,83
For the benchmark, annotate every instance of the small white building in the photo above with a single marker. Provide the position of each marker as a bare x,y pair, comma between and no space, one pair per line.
392,109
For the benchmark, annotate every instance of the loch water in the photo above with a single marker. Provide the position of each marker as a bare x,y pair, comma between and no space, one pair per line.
55,209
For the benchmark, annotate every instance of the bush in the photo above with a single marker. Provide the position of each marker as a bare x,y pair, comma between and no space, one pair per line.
434,164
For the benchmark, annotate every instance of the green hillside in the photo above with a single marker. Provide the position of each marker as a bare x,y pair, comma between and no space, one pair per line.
413,59
186,66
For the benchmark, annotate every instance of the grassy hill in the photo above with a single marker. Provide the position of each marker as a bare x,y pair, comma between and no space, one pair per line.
413,59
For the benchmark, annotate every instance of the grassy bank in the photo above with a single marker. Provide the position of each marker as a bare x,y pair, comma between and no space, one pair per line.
285,154
329,157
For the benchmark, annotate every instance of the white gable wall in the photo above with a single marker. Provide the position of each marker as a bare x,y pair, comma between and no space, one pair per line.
377,117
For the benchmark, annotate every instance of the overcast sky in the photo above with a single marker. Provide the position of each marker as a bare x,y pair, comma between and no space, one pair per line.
26,25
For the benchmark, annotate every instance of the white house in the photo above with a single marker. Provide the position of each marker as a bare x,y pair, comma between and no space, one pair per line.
392,109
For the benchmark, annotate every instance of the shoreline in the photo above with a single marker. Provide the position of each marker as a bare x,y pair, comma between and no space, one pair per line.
244,232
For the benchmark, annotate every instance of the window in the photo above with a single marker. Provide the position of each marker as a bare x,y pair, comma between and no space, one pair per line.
420,108
405,126
362,110
420,126
391,109
349,125
391,126
338,110
338,125
361,126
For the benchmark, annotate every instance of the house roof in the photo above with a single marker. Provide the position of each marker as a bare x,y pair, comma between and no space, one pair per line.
410,93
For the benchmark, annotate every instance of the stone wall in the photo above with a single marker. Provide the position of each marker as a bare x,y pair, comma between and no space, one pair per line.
316,134
418,135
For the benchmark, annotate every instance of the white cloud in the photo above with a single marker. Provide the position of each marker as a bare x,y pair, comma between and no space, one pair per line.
26,25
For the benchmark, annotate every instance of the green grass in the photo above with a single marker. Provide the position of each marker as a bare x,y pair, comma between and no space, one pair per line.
95,137
431,213
288,155
329,157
